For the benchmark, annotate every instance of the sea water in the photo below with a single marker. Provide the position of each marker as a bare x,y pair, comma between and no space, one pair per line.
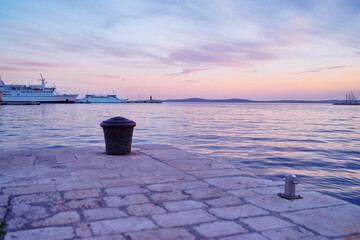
320,143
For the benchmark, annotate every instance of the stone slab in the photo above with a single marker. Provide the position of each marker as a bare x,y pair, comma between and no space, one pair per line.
310,200
331,221
107,227
158,192
177,206
167,233
116,201
145,209
266,222
217,229
55,233
103,213
235,212
183,218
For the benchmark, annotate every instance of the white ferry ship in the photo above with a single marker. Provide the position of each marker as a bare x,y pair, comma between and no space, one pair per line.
33,93
92,98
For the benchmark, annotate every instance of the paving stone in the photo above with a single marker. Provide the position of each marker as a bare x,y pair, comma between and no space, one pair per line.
322,238
145,209
179,177
75,204
3,211
243,193
183,218
54,233
184,205
79,194
199,164
352,237
287,233
56,177
116,201
125,190
266,223
16,223
247,236
29,212
34,183
224,201
219,173
240,211
82,230
331,222
37,188
4,199
169,155
118,182
107,237
103,213
58,219
276,190
121,225
164,187
37,198
205,193
169,196
309,200
232,183
67,186
222,228
167,233
15,182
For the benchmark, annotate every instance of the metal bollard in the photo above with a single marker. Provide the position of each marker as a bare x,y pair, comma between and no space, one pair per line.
118,133
290,182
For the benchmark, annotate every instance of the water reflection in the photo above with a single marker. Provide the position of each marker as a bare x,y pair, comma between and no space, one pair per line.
318,142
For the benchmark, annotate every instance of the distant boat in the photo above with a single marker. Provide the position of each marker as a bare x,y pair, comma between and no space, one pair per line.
92,98
350,99
33,93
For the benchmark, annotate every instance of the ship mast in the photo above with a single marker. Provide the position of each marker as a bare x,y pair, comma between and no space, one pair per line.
42,81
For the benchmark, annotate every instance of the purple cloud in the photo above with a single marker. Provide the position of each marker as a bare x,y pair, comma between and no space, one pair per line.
233,54
189,81
188,71
314,70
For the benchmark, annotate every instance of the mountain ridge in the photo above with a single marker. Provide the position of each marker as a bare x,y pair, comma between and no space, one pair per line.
238,100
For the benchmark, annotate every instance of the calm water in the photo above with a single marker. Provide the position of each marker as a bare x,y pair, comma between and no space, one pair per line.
319,143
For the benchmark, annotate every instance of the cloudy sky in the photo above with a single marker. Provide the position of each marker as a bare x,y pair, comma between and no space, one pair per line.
261,50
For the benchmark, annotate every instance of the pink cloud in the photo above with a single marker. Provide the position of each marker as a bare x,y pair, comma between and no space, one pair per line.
7,68
112,76
315,70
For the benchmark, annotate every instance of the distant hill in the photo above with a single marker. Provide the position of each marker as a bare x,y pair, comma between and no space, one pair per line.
236,100
207,100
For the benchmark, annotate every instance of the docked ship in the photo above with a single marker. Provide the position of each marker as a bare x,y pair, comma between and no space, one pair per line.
92,98
33,93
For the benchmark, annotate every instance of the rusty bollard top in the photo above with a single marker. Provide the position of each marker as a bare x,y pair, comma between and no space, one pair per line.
118,122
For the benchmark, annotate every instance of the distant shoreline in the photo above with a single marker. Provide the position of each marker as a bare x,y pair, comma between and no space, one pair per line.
235,100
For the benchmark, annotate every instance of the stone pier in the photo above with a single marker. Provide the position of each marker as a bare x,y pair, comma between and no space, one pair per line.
156,192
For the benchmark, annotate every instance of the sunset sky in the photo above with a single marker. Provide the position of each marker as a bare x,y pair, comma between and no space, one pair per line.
260,50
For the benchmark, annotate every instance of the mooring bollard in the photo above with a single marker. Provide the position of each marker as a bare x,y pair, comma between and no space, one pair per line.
118,133
290,182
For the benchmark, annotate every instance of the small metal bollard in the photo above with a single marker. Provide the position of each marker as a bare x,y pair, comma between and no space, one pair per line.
290,182
118,133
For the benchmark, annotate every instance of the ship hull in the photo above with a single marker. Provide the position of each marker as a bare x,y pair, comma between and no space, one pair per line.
41,99
101,99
